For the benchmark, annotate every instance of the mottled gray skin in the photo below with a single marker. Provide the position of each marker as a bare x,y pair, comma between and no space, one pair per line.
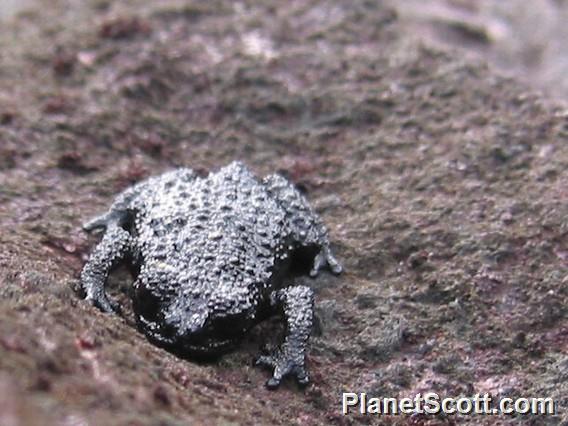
211,255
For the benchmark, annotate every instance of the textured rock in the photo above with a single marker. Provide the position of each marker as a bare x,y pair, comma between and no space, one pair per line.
413,154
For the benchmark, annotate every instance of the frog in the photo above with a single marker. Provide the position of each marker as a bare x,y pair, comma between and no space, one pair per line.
212,256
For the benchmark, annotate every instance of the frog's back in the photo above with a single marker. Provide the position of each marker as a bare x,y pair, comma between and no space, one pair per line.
223,225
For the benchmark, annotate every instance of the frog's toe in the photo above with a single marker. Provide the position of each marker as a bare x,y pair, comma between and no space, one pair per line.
264,361
319,261
105,221
334,265
104,304
99,222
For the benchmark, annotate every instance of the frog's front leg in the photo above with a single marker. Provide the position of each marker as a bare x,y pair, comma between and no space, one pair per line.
297,304
116,243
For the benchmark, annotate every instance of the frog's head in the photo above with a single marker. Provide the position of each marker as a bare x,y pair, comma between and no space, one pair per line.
201,323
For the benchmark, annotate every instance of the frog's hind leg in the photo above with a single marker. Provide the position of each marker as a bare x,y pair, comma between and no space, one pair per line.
134,197
114,246
116,243
307,228
297,305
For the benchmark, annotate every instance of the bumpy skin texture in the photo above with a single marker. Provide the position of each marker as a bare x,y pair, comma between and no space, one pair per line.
211,255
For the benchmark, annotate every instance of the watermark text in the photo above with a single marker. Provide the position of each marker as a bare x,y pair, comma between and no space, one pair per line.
432,403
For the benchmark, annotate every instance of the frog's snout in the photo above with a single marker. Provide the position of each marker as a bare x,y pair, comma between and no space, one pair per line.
193,324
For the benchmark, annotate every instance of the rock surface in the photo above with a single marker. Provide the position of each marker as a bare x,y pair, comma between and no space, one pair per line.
443,187
520,38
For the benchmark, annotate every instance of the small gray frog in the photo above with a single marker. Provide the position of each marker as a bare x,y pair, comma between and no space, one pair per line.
211,255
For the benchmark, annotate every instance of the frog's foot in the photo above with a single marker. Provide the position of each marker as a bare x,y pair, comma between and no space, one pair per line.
102,222
323,258
284,362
